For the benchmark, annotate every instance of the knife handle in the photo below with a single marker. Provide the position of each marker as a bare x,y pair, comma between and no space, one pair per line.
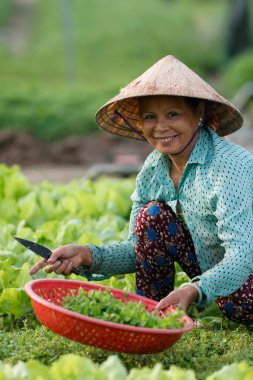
75,271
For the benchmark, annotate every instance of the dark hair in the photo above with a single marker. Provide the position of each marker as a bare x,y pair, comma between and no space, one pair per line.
192,102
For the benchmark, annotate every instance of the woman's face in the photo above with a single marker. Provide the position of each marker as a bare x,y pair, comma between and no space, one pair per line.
169,123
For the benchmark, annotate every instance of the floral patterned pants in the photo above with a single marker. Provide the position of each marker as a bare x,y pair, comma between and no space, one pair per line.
163,240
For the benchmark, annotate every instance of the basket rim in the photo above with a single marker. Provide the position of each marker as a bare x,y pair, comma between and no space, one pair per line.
148,330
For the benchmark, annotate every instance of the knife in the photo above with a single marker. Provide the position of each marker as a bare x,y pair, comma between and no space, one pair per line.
44,252
40,250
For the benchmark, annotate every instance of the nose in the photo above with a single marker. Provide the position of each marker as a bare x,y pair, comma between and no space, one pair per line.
162,124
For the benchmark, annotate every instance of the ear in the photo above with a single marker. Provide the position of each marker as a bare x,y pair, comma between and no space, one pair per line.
200,110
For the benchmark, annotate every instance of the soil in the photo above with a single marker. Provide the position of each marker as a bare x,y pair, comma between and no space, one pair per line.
71,157
86,156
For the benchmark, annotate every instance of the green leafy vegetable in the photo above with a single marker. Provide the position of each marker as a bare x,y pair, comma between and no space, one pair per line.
74,367
13,301
102,305
235,371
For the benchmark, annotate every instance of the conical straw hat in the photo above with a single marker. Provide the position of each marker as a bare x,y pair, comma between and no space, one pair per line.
168,76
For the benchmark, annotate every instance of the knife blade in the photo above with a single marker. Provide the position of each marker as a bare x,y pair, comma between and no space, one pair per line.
40,250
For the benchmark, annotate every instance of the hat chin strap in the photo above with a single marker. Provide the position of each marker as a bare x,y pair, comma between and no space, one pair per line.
190,141
133,129
143,137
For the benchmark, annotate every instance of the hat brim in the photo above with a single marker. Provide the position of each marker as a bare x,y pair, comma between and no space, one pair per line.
223,118
168,77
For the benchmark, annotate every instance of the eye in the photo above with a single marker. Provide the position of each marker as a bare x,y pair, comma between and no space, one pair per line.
147,116
172,114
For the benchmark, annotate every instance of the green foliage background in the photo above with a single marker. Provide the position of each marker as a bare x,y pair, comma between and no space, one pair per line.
5,10
114,41
88,212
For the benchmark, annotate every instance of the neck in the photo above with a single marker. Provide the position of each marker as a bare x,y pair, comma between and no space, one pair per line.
179,161
177,166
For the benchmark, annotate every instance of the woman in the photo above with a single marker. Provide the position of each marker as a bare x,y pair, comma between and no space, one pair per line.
193,198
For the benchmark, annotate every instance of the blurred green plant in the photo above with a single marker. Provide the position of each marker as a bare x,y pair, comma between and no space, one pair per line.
117,40
114,42
236,73
5,11
48,112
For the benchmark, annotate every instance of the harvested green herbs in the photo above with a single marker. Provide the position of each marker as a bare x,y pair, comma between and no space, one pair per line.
102,305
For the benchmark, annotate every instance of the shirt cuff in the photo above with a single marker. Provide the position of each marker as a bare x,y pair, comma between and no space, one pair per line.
97,259
205,301
90,271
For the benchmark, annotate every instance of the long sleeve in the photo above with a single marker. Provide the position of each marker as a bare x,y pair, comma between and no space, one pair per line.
117,257
233,210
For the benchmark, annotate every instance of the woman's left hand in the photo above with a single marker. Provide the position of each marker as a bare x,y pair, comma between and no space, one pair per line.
179,298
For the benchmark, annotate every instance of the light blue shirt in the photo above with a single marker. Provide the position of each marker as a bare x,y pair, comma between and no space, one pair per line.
216,196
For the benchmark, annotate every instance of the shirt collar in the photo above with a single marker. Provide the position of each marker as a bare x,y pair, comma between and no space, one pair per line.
200,150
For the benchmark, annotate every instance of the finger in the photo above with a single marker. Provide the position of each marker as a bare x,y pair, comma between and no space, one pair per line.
61,268
182,306
58,253
162,304
53,267
69,268
170,300
39,265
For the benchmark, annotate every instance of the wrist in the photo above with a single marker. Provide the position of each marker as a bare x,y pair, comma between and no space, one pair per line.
86,256
195,293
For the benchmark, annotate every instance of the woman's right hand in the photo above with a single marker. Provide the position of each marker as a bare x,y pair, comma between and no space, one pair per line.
63,259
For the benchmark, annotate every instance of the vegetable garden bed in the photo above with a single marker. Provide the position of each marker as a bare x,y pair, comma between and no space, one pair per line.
94,212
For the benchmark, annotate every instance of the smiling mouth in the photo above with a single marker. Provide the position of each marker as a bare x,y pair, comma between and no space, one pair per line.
166,139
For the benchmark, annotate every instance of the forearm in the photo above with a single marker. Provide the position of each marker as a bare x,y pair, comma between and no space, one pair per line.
117,257
111,259
224,278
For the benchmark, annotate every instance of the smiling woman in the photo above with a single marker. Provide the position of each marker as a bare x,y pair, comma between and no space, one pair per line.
187,205
170,125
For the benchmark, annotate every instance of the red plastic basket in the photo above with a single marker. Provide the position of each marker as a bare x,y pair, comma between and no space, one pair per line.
46,296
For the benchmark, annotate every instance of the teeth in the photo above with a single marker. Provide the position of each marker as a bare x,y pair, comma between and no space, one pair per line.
166,139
